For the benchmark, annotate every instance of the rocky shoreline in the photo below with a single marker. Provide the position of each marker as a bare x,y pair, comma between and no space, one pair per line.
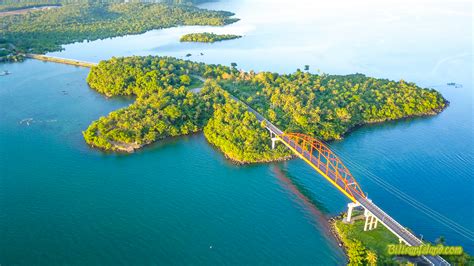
335,233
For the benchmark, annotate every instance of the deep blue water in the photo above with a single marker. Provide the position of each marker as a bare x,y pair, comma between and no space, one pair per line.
180,201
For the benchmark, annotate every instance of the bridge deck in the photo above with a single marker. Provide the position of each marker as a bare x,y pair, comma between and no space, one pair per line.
60,60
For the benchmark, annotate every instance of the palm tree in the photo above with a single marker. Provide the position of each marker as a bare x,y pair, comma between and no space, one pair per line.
371,258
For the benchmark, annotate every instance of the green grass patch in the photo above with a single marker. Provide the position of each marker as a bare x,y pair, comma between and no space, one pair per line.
359,243
377,239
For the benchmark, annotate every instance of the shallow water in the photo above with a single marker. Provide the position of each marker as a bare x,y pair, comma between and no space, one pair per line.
180,201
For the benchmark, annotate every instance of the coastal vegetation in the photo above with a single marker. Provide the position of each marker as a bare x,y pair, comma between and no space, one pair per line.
324,106
166,113
371,247
207,37
8,53
328,106
360,245
9,5
240,136
165,107
47,31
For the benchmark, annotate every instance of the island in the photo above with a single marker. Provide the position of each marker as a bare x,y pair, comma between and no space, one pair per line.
175,97
207,37
48,30
323,106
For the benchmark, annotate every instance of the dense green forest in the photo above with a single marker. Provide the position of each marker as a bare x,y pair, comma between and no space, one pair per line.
165,107
167,112
8,5
327,106
240,136
45,31
207,37
324,106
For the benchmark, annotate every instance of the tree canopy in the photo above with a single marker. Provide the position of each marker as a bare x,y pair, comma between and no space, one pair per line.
48,30
207,37
323,106
328,106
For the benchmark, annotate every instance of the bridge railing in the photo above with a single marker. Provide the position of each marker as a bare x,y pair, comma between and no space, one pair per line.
325,161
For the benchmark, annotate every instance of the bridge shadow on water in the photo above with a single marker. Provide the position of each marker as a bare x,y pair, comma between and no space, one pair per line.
304,197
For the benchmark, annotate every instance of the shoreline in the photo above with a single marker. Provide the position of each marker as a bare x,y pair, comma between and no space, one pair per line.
241,163
137,147
333,229
380,122
134,147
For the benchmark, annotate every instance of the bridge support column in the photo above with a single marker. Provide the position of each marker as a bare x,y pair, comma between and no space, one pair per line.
376,222
366,222
370,221
350,208
274,139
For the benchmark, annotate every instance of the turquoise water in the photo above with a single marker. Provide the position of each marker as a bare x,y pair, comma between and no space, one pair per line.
180,201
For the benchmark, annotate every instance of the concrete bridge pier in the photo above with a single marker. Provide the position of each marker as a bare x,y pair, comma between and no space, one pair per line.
370,221
274,139
350,208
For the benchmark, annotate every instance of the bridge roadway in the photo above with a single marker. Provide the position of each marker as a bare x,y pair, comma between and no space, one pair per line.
401,232
61,60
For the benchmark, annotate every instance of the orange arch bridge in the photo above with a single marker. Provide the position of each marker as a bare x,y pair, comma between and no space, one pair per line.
324,161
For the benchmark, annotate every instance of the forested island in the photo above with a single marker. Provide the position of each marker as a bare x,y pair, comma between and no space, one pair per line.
370,247
323,106
207,37
48,30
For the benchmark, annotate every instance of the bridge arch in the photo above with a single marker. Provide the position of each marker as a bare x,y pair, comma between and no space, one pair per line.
325,161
